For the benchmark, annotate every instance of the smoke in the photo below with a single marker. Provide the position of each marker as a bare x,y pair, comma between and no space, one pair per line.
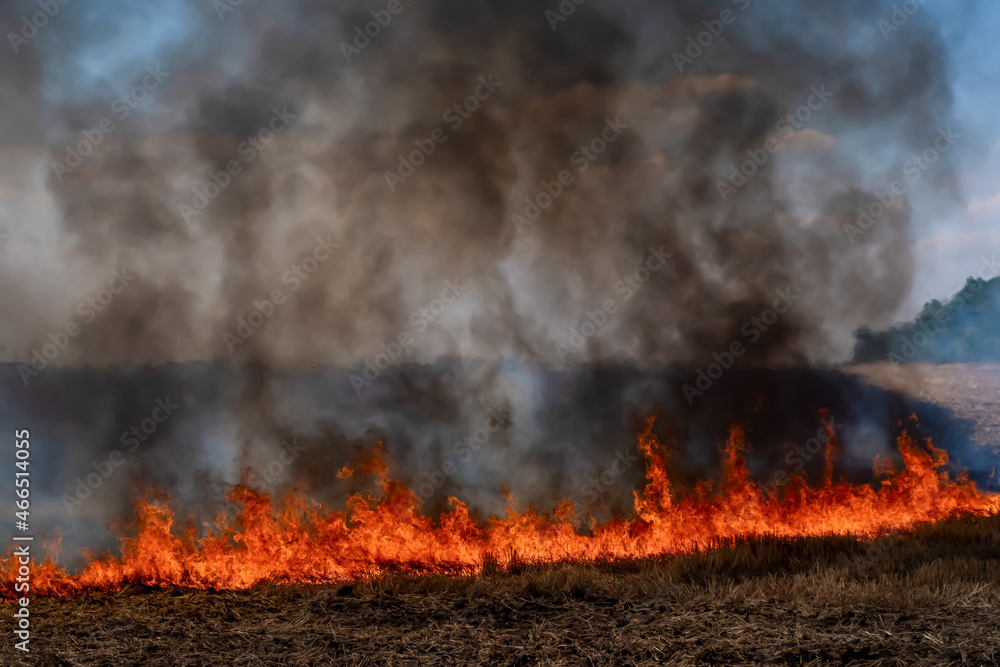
98,442
470,183
463,213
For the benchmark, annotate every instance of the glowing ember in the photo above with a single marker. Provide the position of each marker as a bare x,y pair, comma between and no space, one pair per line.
300,542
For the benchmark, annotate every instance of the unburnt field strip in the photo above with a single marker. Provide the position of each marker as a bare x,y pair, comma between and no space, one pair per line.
931,596
970,391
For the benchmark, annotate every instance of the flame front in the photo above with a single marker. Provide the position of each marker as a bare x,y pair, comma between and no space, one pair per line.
300,542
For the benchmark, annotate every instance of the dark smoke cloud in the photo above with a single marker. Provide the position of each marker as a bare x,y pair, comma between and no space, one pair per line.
554,433
655,186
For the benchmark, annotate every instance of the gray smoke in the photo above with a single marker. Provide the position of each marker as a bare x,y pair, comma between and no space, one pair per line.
296,199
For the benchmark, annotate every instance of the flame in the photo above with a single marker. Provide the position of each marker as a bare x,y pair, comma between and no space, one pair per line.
297,541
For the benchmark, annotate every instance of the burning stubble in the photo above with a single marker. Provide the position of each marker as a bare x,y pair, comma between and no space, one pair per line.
606,75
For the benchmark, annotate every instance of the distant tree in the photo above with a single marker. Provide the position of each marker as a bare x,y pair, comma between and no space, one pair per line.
965,329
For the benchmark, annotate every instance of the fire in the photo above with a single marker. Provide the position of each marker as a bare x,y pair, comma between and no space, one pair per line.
297,541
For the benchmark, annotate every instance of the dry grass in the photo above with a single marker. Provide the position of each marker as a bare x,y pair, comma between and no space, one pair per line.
931,597
970,391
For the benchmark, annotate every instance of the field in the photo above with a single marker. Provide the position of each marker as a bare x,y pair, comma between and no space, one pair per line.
930,596
970,391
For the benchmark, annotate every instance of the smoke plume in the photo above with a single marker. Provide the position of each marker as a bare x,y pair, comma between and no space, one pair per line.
348,224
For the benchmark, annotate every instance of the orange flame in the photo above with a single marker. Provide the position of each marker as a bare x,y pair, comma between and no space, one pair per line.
300,542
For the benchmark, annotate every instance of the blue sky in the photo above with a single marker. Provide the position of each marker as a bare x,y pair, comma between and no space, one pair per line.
951,247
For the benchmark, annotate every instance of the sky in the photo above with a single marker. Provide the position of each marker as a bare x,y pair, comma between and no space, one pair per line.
951,247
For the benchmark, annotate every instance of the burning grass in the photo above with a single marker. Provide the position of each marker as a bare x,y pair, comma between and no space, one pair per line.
930,596
904,571
301,543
